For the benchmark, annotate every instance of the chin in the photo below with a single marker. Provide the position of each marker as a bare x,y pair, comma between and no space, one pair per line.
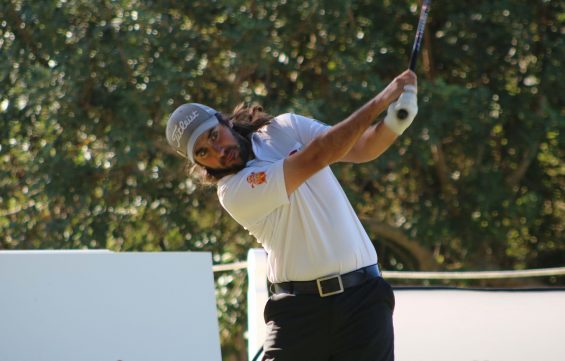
235,166
238,166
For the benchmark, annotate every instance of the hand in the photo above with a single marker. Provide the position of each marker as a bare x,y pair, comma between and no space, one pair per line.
396,87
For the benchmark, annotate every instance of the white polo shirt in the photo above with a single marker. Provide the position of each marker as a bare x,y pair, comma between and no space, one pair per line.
314,232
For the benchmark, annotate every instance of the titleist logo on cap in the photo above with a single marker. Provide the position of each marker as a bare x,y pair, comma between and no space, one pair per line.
182,125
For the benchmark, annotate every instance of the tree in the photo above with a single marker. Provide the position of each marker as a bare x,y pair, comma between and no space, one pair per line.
476,183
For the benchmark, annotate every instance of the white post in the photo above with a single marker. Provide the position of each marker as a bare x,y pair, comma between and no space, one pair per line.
257,295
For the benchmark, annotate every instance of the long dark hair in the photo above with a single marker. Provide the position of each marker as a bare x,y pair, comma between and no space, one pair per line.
246,120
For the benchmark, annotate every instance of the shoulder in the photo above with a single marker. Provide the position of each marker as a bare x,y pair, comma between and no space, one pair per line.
281,121
280,127
290,119
293,122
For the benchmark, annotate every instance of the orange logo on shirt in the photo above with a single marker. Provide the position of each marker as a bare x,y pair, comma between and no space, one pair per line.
256,178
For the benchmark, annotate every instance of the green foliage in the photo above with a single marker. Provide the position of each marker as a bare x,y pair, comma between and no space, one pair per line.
86,88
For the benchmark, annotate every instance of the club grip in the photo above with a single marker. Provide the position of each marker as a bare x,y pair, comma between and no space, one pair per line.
402,114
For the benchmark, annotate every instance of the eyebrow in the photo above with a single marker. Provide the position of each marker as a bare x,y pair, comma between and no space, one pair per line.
210,132
209,135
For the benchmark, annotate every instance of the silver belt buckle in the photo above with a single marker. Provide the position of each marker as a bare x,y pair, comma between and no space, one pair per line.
328,278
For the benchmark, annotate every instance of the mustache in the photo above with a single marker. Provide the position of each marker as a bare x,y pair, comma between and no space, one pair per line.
228,152
242,150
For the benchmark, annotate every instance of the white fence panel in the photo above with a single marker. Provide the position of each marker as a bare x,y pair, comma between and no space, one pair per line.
103,306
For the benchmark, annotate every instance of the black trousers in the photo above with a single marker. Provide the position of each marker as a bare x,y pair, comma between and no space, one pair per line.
352,326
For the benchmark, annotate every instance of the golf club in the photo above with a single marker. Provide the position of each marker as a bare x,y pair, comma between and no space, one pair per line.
402,112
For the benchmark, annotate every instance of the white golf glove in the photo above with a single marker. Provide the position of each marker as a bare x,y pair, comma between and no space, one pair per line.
408,101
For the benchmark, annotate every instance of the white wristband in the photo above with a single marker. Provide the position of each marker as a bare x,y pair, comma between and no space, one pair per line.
410,89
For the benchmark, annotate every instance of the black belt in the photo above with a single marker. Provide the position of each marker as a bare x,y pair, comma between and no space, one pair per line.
329,285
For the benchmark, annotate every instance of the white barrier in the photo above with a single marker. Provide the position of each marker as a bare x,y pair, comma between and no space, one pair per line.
456,324
103,306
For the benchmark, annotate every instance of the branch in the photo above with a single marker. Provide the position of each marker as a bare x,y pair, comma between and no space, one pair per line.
424,256
515,178
427,60
442,170
438,155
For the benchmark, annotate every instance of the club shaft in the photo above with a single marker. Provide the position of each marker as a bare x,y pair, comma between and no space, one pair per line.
403,113
419,34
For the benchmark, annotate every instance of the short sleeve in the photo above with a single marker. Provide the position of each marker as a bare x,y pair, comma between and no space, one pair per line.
307,128
254,192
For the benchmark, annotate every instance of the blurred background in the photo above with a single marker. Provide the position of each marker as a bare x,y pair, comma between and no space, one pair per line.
476,183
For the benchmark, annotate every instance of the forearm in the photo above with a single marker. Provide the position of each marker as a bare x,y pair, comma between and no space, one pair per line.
374,142
379,137
337,141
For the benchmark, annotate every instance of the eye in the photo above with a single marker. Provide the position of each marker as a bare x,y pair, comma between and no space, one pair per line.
201,153
214,135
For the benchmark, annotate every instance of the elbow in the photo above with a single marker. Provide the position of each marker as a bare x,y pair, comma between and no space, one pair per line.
356,155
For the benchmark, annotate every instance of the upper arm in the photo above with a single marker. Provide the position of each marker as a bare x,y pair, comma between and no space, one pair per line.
253,193
301,165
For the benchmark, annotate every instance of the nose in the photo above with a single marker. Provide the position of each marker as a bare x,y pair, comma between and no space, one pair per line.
219,150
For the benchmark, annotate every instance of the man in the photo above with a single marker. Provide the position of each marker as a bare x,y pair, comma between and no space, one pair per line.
273,178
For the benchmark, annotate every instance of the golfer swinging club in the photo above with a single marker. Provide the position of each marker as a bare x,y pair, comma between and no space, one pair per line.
273,177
